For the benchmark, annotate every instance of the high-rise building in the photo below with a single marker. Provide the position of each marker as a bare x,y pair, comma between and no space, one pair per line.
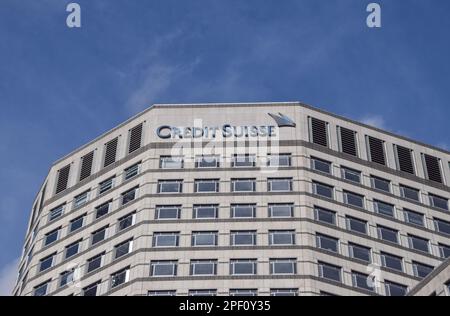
241,199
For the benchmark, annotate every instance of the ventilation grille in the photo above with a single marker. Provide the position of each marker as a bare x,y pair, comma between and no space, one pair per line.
135,138
63,178
348,141
433,169
405,160
110,152
319,132
376,149
86,166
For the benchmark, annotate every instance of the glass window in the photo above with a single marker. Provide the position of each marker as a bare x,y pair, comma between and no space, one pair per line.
442,226
120,277
81,199
102,210
243,238
72,249
329,271
327,242
66,277
202,292
438,202
444,251
46,263
162,293
205,211
281,210
129,196
168,212
409,193
170,186
126,221
243,210
56,212
240,161
394,289
206,185
351,174
91,290
383,208
203,267
418,243
283,292
95,262
283,266
279,184
353,199
99,235
325,216
391,261
201,239
281,237
243,292
360,280
123,248
321,165
243,266
413,217
132,171
169,239
77,223
41,289
323,190
387,234
163,268
359,252
356,225
52,236
171,162
243,185
281,160
421,270
207,162
106,185
380,184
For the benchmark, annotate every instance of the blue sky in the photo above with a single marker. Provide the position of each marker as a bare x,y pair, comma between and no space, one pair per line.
61,87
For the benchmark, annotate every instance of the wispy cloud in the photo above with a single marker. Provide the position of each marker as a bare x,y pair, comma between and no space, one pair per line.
374,120
8,276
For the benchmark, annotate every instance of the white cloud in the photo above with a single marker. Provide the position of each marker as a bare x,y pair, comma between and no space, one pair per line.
374,120
8,276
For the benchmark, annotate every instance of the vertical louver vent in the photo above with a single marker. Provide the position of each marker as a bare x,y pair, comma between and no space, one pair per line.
63,178
376,150
319,132
86,165
348,141
405,159
433,169
110,152
135,138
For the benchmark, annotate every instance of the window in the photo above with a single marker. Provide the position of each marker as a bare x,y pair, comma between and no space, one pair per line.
105,186
321,165
170,186
243,266
383,208
120,277
323,190
126,221
95,262
77,223
404,157
394,289
243,238
387,234
205,211
279,184
329,271
421,270
413,217
283,266
132,171
171,162
243,292
283,292
353,199
202,292
162,293
281,237
72,249
380,184
206,185
356,225
135,138
123,248
163,268
102,210
324,215
281,160
327,243
41,289
110,152
438,202
391,261
56,212
240,161
66,277
203,267
359,252
167,212
432,168
376,150
201,239
166,239
99,235
129,195
91,290
351,174
243,185
52,236
442,226
318,132
207,162
63,179
47,262
418,243
281,210
361,280
347,141
81,199
444,251
243,210
409,193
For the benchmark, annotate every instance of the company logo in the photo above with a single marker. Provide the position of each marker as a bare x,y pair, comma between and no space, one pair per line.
282,120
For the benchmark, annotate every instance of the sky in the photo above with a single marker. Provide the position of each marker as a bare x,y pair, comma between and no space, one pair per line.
61,87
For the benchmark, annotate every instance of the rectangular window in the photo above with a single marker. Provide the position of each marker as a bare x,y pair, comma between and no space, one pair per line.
241,161
105,186
206,185
170,186
129,196
376,150
383,208
81,199
168,212
318,132
243,185
360,280
76,223
120,277
438,202
283,266
279,184
207,161
47,262
132,171
353,199
327,243
329,271
281,160
171,162
404,158
391,261
413,217
72,249
322,190
102,210
442,226
243,292
56,212
419,243
66,277
123,248
98,235
321,165
387,234
409,193
281,210
203,267
380,184
243,210
351,174
243,238
432,168
395,289
356,225
91,290
162,293
41,289
243,266
110,152
202,292
281,237
163,268
166,239
126,221
204,239
95,262
205,211
324,215
359,252
444,251
283,292
421,270
52,236
348,142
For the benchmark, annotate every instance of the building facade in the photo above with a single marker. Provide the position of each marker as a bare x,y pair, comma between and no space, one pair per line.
240,199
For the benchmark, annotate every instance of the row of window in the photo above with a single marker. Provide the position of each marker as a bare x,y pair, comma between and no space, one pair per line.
231,292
